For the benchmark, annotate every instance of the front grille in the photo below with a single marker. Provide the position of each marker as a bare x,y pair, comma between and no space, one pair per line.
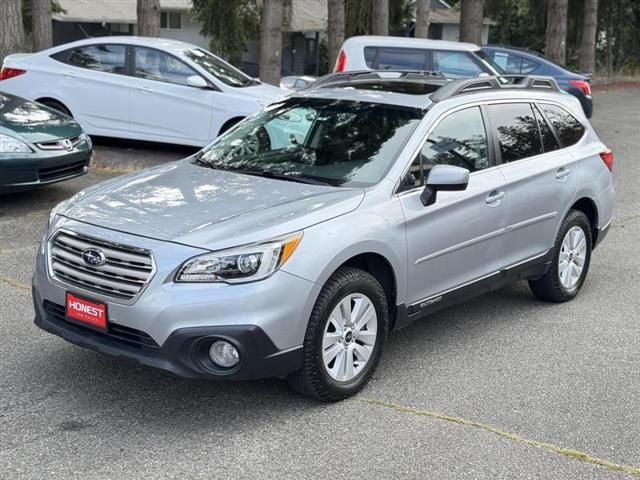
123,275
61,171
62,144
117,333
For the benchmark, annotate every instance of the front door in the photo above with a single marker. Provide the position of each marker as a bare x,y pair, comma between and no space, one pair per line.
163,106
458,240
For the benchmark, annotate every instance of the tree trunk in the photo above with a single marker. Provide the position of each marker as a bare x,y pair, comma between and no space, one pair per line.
422,18
335,29
11,30
148,12
271,42
556,48
42,30
471,17
588,41
380,17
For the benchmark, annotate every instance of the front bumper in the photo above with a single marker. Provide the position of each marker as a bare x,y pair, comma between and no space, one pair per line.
42,168
170,326
184,353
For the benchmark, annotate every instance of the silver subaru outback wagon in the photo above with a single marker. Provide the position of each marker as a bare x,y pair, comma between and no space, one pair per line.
294,243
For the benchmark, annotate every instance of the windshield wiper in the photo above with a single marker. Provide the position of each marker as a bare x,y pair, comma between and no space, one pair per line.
283,176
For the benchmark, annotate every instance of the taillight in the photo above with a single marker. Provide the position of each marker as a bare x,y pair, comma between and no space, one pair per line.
582,85
607,158
10,72
341,62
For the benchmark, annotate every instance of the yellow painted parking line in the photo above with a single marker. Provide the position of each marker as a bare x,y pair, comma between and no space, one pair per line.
10,282
550,447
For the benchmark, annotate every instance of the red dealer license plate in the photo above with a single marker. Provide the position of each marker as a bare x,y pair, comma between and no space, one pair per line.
88,313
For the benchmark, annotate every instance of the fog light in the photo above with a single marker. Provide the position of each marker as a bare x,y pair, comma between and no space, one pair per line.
224,354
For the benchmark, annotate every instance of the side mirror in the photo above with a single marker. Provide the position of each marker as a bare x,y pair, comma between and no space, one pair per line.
445,178
197,81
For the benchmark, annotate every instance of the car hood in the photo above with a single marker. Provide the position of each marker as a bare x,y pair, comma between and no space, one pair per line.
202,207
34,122
263,92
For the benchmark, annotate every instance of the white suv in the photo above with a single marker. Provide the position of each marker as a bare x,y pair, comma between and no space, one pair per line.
452,59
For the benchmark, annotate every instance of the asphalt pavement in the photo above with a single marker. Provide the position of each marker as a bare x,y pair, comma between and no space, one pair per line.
504,386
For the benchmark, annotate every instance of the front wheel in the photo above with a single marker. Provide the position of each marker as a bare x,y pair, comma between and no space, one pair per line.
571,259
344,338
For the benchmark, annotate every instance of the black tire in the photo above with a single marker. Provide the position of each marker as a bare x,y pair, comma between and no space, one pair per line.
55,105
312,379
549,287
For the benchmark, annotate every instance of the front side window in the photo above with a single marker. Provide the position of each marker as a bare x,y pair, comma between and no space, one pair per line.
156,65
460,139
218,68
334,142
455,64
517,130
103,58
568,128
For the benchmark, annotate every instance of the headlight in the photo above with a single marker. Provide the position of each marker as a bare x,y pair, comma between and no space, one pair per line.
242,264
12,145
85,138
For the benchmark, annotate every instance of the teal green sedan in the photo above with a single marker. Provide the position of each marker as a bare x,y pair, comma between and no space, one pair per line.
38,145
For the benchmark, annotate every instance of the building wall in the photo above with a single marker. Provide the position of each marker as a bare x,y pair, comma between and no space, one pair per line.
190,32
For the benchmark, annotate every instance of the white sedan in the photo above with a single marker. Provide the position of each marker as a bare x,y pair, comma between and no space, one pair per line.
140,88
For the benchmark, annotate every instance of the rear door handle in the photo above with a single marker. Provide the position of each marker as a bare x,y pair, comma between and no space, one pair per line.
144,89
69,75
562,173
494,198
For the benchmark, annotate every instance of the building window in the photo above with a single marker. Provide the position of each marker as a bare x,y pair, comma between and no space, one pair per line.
171,20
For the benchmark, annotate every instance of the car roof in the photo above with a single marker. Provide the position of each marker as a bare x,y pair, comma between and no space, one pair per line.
408,42
455,92
531,55
153,42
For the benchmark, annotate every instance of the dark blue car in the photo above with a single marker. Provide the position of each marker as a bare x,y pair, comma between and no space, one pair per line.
524,62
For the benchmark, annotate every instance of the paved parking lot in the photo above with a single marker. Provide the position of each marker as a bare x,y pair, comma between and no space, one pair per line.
502,387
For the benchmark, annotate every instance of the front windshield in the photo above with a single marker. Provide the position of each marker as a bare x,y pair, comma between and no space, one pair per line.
487,58
334,142
218,68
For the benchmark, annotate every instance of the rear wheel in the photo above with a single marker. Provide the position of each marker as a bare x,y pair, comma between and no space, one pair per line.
55,105
571,259
344,338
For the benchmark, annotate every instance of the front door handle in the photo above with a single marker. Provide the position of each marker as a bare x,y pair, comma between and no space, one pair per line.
562,173
144,89
494,198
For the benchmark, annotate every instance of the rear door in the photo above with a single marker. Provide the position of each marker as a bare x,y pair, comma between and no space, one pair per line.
96,87
458,239
541,178
163,106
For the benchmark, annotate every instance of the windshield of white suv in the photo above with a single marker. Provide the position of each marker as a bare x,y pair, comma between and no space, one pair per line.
219,69
323,141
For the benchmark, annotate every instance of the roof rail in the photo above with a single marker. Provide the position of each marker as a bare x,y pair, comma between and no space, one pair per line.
502,82
382,76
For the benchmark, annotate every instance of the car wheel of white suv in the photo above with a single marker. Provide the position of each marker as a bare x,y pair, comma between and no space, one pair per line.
344,338
571,258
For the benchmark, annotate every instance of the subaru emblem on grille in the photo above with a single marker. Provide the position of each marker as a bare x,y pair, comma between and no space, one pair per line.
67,144
93,257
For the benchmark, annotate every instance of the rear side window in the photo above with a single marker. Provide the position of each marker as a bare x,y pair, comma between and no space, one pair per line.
549,142
103,58
517,130
396,58
455,64
568,128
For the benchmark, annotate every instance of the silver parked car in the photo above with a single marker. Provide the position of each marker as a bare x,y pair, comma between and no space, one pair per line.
294,243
